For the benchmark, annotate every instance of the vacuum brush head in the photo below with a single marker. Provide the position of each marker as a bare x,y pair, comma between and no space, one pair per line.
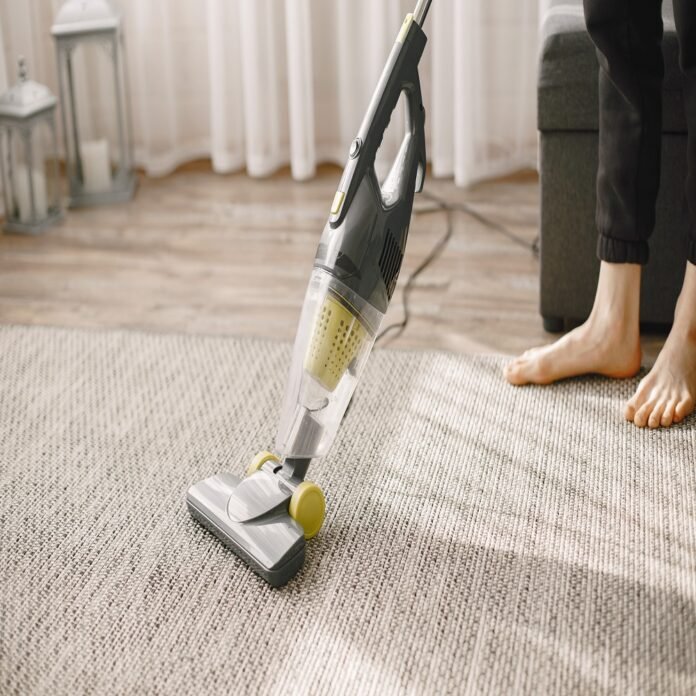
271,543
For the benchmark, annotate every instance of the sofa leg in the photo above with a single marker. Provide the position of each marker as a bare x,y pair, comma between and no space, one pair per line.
554,324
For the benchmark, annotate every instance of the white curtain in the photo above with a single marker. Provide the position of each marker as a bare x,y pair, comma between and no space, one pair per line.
259,84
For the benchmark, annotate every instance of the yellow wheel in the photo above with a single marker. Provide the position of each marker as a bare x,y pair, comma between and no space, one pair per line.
307,507
259,460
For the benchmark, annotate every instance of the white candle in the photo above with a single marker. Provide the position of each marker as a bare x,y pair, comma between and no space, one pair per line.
96,167
23,194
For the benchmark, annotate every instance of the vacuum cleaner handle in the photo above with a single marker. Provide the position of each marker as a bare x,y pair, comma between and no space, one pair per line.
400,76
364,241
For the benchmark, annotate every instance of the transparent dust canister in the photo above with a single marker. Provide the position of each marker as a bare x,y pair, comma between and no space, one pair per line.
335,337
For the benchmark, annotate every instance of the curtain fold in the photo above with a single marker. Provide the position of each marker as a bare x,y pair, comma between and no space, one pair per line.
260,84
303,156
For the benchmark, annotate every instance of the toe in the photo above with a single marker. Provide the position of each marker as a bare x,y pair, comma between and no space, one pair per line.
656,415
517,370
634,405
637,401
683,409
668,414
630,410
514,372
643,414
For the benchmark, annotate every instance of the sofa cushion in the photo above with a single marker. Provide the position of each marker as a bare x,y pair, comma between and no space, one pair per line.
568,76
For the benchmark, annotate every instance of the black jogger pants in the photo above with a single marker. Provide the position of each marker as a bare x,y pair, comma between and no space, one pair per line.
628,37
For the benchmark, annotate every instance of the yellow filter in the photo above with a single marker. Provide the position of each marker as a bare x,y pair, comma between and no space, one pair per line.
337,338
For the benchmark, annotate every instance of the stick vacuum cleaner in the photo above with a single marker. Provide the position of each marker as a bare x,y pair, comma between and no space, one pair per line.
266,517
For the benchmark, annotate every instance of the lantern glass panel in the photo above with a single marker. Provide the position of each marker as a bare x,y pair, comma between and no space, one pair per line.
30,172
96,135
44,162
7,169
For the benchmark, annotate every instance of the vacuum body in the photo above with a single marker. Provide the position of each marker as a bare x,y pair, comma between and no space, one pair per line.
357,263
266,517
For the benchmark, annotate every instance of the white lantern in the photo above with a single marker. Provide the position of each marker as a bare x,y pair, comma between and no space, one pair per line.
94,103
28,147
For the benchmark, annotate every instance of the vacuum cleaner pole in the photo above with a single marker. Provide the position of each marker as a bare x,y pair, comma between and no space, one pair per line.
266,517
421,12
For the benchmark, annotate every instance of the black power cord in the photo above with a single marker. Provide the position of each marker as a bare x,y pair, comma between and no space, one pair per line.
442,206
487,222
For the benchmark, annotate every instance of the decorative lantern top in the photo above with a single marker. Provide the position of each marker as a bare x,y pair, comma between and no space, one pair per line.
26,98
85,17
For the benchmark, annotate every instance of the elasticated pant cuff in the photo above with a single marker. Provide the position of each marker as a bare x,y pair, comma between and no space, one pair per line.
692,250
619,251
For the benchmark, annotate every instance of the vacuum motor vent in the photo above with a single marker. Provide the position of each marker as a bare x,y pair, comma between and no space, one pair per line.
337,338
390,263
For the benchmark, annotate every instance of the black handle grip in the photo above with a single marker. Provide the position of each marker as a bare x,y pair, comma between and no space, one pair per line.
400,76
364,242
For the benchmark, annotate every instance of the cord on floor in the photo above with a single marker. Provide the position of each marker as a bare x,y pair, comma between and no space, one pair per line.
442,206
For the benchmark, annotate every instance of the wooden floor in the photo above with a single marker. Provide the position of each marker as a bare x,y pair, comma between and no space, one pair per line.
207,254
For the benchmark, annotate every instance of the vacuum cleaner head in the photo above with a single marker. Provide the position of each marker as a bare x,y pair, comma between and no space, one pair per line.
251,518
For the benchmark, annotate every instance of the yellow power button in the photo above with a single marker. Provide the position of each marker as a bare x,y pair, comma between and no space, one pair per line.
338,202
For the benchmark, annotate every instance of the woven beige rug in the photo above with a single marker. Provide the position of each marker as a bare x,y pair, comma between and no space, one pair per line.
479,538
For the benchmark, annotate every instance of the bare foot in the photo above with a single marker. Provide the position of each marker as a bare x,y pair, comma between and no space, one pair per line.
597,347
608,343
667,394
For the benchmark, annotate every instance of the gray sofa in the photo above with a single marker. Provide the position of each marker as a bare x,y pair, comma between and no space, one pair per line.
568,125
